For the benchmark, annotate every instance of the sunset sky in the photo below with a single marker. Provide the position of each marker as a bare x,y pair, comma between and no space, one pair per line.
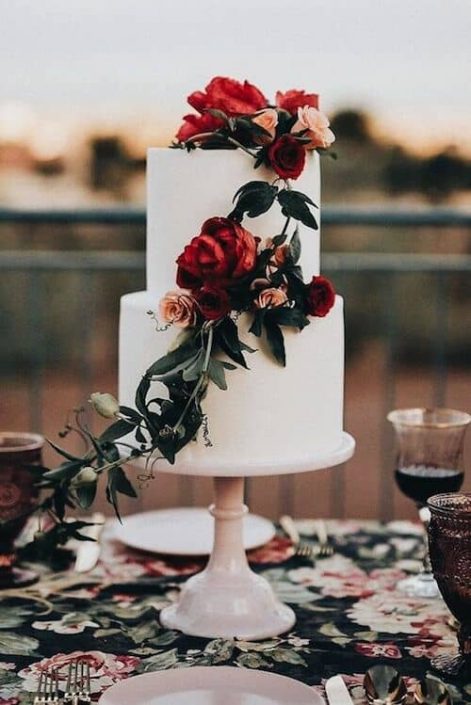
117,62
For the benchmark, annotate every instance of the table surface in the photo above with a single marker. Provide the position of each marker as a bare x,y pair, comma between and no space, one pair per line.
349,616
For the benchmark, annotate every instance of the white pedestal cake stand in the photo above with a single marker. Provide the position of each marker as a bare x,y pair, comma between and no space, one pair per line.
227,599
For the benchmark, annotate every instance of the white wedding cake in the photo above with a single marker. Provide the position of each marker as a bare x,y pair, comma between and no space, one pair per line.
271,419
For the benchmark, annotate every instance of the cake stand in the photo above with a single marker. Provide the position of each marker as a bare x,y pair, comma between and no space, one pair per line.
227,599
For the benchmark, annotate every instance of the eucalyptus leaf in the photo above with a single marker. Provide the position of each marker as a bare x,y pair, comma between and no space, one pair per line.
217,374
172,360
276,341
118,429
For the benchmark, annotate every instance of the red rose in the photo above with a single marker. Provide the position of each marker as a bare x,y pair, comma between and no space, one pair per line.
287,156
223,251
230,96
213,302
320,297
196,124
293,99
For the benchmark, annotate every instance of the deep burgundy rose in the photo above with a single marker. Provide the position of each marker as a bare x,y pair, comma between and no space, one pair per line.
222,252
320,296
287,156
294,99
230,96
213,302
197,124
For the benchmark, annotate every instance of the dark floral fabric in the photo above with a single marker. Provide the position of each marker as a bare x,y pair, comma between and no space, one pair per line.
349,616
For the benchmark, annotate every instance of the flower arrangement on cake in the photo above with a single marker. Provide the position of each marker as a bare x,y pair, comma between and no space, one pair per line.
228,283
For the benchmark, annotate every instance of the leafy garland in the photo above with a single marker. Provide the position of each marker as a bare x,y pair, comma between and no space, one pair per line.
244,276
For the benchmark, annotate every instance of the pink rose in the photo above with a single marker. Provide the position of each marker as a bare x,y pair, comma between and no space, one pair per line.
179,308
268,298
268,119
317,126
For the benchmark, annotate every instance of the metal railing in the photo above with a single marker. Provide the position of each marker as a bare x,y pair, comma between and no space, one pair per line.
392,266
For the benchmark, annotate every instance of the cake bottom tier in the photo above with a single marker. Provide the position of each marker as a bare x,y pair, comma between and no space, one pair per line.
270,419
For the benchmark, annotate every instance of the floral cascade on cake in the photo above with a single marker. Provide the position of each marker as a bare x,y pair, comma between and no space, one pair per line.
228,282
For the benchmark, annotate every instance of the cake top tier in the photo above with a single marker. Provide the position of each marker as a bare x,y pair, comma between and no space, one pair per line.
185,189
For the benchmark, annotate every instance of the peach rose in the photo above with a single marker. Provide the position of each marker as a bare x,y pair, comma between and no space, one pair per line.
268,298
268,119
317,126
179,308
280,253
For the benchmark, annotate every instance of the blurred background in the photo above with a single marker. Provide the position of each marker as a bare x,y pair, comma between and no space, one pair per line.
86,87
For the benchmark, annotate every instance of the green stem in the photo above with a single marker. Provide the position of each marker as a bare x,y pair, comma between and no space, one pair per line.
286,225
240,146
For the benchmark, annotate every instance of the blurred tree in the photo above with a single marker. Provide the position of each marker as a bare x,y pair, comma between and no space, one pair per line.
352,125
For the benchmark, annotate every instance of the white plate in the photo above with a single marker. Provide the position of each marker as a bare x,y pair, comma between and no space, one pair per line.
184,531
210,685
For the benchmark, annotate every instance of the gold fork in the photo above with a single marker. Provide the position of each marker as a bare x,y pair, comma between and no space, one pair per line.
48,689
301,548
325,548
78,689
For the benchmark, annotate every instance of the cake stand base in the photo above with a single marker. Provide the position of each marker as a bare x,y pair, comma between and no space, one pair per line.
228,599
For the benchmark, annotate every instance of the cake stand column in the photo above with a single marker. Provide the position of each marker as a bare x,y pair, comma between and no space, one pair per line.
227,599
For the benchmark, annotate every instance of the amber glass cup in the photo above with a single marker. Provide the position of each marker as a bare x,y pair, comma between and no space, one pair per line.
450,553
18,496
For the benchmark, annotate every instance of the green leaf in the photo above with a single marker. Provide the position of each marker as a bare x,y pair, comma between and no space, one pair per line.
195,368
141,395
294,205
61,451
227,337
66,471
216,373
276,341
256,327
295,247
118,429
172,360
118,483
285,316
254,198
86,494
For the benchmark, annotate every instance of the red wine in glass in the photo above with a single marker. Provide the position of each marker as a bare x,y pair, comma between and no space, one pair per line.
419,482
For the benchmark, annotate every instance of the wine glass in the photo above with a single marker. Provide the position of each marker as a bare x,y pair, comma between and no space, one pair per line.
18,495
429,460
449,534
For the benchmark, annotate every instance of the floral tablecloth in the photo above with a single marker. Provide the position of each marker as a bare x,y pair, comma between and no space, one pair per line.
349,616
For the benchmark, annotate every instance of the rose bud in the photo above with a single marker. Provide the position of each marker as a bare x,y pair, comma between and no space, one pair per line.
320,297
86,476
287,157
280,253
317,126
179,308
105,404
213,303
268,298
268,119
294,99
